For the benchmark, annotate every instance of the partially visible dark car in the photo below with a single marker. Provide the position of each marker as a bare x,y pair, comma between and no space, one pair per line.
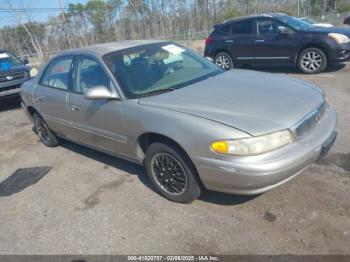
13,73
277,39
347,21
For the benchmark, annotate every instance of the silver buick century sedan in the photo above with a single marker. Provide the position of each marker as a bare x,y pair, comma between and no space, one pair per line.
191,124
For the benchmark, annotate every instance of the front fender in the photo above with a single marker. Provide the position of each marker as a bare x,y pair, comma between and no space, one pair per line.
194,134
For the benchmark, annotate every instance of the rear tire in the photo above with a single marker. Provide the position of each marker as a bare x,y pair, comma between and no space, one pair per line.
224,61
43,131
312,61
172,173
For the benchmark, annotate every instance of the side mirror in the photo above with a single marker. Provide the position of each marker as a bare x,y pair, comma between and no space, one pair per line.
285,30
100,92
25,60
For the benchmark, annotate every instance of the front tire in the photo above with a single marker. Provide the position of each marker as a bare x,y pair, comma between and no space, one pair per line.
172,173
43,131
312,61
224,61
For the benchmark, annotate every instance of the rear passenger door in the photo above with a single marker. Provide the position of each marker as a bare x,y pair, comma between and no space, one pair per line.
50,95
241,40
97,123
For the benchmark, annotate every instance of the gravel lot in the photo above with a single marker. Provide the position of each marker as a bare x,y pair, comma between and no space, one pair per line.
91,203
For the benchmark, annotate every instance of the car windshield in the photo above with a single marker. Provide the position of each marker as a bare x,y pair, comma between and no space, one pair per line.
160,67
296,23
8,61
307,20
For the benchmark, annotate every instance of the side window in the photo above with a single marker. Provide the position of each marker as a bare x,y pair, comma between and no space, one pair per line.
57,75
89,74
243,27
267,27
226,28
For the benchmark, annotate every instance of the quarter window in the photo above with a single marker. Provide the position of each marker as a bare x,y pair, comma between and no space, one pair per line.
90,74
57,75
225,28
242,27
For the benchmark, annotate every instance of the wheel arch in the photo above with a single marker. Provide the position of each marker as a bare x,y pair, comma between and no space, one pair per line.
146,139
31,110
222,50
312,45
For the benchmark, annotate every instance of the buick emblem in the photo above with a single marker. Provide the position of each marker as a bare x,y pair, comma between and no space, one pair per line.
318,118
9,78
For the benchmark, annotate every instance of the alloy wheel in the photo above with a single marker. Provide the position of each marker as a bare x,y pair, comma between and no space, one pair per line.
169,174
42,130
311,61
223,61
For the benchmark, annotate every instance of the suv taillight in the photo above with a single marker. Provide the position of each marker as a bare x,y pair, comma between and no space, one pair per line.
208,40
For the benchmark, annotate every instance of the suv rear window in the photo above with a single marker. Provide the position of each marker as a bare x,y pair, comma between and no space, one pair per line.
242,27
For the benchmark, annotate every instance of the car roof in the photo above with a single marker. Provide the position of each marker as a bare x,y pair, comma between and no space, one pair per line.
102,49
236,19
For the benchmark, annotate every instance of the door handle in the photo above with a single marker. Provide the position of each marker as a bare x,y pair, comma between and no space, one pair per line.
41,98
75,108
229,41
259,41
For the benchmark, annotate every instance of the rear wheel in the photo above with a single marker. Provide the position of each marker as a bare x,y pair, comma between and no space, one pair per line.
312,61
172,173
43,131
224,61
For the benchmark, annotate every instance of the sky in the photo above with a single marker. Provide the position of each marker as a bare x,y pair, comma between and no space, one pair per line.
7,19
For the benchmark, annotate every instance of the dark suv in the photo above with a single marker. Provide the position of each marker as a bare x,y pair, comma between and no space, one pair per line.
277,39
13,73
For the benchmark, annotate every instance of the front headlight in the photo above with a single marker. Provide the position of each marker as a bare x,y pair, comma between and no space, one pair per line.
339,38
253,145
33,72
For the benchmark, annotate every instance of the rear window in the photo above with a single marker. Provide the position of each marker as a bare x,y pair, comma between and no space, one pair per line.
242,27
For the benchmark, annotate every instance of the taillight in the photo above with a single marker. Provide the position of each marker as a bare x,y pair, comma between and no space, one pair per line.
208,40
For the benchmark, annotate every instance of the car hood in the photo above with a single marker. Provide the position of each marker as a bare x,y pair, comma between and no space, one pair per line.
15,69
254,102
328,30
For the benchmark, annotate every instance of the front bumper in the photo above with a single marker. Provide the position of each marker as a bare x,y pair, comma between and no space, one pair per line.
341,54
257,174
11,88
10,92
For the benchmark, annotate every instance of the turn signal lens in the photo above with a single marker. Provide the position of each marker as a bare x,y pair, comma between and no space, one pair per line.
220,147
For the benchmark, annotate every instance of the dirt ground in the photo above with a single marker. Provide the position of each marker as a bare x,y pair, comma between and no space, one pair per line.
91,203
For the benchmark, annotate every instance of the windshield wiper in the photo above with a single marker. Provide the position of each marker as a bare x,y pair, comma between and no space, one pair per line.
156,92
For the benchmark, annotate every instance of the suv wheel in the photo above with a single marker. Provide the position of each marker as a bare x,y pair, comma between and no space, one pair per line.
45,134
224,61
312,61
171,173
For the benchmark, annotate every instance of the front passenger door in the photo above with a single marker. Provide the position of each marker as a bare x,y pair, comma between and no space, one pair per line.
271,45
97,123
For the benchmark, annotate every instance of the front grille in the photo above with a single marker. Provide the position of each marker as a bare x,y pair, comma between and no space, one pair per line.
311,120
12,76
7,88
